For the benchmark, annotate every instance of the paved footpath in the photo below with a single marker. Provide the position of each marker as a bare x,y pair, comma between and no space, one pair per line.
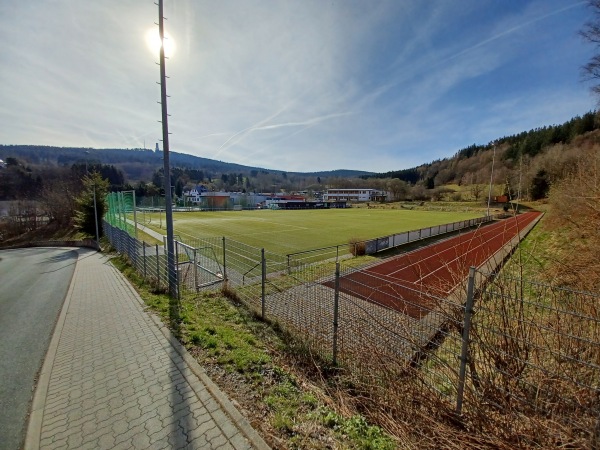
114,377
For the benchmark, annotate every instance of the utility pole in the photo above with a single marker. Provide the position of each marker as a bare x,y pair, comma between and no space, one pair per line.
172,273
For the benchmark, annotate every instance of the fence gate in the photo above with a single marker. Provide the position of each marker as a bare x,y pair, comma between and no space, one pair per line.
198,267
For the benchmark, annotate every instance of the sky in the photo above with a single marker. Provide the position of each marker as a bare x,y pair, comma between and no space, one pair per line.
298,86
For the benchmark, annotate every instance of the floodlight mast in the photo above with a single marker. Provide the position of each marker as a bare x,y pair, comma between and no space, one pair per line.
172,273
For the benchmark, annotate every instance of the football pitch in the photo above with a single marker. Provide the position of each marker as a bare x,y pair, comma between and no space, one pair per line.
284,231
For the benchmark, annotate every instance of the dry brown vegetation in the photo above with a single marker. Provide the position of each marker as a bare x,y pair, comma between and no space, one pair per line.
575,201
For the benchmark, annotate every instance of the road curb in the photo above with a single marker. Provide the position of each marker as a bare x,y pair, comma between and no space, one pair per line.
36,415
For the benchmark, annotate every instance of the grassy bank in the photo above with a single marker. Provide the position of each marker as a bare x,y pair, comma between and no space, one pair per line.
259,368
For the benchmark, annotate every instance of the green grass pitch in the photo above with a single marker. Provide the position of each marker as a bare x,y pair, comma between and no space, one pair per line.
284,232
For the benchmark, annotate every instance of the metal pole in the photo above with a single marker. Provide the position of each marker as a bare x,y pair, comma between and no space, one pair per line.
134,215
336,300
224,261
144,253
491,178
519,193
177,273
119,210
464,353
157,268
196,269
263,264
167,170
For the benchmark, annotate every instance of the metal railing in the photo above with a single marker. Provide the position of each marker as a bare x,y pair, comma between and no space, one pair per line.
372,246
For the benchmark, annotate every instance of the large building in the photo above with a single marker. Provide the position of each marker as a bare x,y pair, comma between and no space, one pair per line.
355,195
201,197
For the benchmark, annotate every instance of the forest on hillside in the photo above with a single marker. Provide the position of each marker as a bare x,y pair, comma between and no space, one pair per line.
528,162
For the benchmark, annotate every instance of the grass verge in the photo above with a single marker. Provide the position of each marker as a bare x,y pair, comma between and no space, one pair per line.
252,363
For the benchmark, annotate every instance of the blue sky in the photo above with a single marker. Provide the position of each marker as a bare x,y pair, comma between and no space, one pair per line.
300,85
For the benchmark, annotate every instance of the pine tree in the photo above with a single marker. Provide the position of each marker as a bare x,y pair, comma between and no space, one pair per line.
93,185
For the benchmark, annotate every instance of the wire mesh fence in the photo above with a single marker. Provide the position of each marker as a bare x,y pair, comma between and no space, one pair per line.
534,349
498,348
150,261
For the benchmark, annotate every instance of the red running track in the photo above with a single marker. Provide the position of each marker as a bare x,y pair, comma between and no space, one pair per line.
414,282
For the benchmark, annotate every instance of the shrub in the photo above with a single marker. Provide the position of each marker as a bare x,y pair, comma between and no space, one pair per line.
357,247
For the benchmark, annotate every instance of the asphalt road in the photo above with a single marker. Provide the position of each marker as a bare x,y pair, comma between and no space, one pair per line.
33,286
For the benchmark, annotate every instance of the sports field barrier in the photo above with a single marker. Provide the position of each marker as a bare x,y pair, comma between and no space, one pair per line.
508,347
396,240
372,246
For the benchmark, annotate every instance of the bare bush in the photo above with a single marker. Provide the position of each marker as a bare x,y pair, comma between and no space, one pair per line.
357,247
61,188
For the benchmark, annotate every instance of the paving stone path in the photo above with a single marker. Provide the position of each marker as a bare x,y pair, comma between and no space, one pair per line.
114,378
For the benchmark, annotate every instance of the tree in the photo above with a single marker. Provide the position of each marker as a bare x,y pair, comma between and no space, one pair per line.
476,191
591,33
85,213
179,188
398,188
11,161
540,185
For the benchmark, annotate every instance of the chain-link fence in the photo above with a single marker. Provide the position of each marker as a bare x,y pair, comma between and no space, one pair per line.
499,348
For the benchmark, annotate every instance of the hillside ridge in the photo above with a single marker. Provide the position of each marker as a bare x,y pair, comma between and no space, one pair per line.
129,161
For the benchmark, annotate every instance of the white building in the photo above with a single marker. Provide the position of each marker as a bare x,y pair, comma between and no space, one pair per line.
355,195
194,195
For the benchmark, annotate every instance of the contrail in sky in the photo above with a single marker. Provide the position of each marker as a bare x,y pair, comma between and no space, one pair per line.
385,88
246,130
511,30
261,126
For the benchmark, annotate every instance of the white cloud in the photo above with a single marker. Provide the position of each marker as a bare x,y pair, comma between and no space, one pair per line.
300,85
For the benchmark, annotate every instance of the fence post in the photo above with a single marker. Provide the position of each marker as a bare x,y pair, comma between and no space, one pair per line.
157,269
134,252
289,269
263,264
464,353
177,280
336,300
144,253
196,269
224,261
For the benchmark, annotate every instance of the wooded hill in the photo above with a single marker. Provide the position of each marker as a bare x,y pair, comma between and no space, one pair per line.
141,164
532,159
